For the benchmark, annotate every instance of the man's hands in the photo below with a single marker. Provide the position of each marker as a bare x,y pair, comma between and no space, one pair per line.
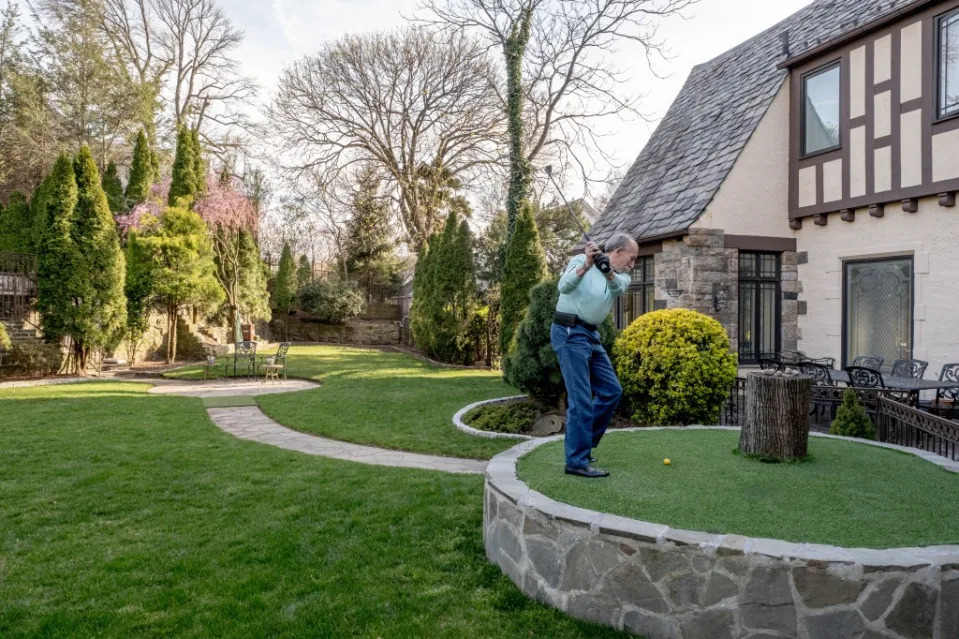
592,250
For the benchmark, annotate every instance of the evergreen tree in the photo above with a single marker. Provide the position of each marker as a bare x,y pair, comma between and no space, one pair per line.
423,294
524,268
199,164
253,298
100,304
852,419
370,249
284,291
57,256
141,172
304,272
179,247
16,225
183,180
113,188
139,291
39,212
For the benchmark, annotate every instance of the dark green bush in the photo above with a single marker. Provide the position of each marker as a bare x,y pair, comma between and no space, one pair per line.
675,367
531,364
32,359
851,418
508,417
331,301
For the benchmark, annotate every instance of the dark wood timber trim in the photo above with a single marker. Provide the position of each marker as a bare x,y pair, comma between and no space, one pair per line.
820,220
759,243
947,199
877,210
847,215
923,11
855,34
650,248
910,205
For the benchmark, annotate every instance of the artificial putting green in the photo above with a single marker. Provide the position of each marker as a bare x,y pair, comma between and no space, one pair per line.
848,494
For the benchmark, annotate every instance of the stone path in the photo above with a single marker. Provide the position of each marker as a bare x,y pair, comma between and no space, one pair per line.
249,422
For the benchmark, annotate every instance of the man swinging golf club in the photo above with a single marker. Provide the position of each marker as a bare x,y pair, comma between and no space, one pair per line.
592,389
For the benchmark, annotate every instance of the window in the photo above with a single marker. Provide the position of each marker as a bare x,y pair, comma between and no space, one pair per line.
948,29
877,315
640,298
821,110
759,307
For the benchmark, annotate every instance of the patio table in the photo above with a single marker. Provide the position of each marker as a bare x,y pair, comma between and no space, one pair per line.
909,384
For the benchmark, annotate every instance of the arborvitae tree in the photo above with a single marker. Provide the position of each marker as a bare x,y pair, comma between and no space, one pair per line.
253,300
39,212
199,164
852,419
139,291
423,295
16,225
113,188
284,291
524,268
100,304
57,255
304,272
183,180
183,270
141,172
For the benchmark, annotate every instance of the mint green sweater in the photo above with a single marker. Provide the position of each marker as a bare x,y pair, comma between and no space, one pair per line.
591,296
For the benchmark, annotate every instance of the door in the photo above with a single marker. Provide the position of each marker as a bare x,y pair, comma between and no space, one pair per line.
759,308
877,305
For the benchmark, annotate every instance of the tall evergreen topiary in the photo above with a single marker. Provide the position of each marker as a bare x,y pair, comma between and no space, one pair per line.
199,164
39,212
851,418
139,291
423,294
57,257
304,272
100,306
183,180
254,300
141,172
531,365
524,268
16,225
453,296
113,188
284,292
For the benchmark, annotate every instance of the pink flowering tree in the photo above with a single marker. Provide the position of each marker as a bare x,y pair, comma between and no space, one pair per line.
232,219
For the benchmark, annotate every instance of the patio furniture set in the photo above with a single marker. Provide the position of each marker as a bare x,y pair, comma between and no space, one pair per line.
245,361
906,376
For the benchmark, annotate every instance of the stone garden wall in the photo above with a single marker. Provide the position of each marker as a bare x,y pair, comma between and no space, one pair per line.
355,331
675,584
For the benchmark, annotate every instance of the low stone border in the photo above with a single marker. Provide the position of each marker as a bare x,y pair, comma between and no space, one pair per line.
469,430
669,583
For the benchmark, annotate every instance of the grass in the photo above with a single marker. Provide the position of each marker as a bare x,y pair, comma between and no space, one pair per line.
385,399
849,494
124,514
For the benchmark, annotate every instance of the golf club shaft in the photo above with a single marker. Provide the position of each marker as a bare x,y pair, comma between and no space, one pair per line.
568,207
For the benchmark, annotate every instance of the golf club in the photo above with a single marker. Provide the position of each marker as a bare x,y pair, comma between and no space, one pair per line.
600,260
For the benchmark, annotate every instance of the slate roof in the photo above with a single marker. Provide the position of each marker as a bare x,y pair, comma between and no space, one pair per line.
696,144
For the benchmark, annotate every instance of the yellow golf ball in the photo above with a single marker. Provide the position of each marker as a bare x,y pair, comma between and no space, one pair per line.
666,462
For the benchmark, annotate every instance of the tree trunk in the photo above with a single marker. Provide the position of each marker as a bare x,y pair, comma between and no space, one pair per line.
171,332
777,416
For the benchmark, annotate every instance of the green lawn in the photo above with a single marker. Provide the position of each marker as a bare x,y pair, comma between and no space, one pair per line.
385,399
849,494
129,515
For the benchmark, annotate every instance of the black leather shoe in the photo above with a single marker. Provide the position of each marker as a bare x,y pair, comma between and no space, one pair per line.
589,472
593,460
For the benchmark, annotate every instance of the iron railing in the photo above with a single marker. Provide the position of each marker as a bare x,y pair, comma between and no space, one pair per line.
905,425
734,410
18,285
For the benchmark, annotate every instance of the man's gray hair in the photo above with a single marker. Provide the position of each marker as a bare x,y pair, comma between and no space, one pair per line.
619,240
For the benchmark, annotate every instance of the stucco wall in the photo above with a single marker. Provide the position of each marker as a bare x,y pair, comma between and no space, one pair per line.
753,198
931,236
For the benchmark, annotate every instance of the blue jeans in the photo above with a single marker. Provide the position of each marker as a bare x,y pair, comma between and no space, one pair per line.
592,389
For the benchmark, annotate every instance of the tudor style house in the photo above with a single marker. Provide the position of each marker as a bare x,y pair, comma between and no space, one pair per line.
801,188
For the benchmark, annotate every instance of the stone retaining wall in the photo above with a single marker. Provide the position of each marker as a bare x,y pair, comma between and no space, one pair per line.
676,584
354,331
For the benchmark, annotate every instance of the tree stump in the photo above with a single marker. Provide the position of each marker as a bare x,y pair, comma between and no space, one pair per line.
777,416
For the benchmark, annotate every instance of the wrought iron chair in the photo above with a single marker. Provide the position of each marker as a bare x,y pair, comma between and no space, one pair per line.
771,364
245,353
279,359
949,373
798,357
819,373
867,361
914,368
864,377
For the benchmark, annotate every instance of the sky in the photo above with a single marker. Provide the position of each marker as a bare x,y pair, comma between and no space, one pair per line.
278,32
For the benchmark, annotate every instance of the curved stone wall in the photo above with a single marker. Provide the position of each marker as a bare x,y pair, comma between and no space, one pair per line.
677,584
466,428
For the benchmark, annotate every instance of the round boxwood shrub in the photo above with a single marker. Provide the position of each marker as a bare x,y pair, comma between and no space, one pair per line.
531,365
675,367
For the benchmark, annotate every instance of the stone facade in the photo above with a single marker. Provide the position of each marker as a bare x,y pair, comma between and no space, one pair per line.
675,584
698,265
355,331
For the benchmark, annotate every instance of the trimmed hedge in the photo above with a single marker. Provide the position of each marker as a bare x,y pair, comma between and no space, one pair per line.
851,418
675,367
32,359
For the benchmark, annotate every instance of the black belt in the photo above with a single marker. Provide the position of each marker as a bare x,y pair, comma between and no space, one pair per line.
571,319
